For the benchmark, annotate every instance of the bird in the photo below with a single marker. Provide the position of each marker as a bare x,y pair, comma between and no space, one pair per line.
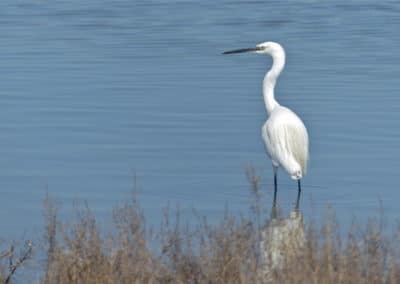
284,133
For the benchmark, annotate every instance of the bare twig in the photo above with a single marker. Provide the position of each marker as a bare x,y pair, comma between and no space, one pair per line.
13,266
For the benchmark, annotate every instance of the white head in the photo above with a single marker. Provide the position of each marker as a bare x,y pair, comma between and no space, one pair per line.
269,47
272,48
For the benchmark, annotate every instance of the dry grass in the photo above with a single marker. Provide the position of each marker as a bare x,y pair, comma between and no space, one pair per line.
236,250
12,260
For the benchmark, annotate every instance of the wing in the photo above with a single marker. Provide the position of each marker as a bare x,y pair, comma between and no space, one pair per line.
286,141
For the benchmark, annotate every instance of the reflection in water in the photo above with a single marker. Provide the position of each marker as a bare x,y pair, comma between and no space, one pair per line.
282,238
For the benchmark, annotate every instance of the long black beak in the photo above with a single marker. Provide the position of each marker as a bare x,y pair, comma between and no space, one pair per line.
243,50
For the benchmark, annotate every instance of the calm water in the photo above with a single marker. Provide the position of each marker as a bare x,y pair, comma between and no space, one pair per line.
93,93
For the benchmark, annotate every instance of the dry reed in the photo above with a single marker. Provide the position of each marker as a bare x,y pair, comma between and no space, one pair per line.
235,250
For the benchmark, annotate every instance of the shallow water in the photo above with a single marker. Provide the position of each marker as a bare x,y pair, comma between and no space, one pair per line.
94,94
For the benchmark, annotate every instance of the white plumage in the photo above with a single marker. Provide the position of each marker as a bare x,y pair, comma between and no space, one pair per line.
284,134
286,141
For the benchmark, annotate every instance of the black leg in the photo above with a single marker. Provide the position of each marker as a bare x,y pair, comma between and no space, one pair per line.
275,192
275,185
298,195
274,212
299,185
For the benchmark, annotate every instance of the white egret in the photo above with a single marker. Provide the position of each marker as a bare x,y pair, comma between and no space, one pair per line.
284,134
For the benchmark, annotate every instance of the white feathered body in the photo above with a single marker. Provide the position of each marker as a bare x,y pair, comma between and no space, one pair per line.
284,134
286,141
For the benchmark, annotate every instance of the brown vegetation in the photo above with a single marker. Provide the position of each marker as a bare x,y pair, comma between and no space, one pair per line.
236,250
11,261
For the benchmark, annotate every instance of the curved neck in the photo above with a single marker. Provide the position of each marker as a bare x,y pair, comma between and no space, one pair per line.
270,81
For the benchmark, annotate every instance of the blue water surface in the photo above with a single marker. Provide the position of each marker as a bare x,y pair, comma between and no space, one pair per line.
97,94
